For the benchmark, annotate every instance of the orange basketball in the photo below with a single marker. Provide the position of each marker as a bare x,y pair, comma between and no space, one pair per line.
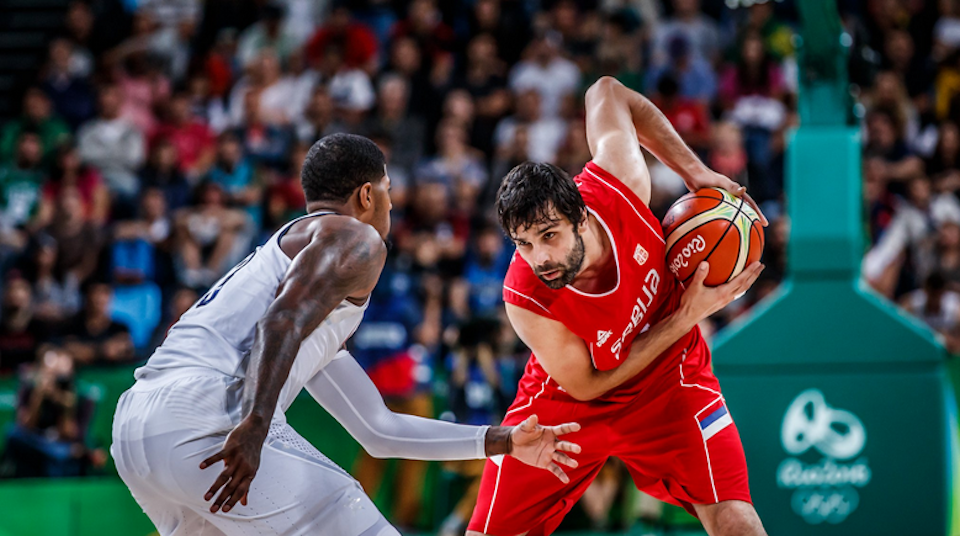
715,226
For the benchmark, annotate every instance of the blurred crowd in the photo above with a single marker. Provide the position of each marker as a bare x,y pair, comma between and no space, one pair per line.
162,140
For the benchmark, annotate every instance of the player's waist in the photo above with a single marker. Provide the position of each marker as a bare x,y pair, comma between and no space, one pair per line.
149,377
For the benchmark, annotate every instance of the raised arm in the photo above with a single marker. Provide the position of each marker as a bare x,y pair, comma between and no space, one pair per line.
567,359
618,117
344,261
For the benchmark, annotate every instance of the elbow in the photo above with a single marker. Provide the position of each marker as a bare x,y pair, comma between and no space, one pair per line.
377,451
605,87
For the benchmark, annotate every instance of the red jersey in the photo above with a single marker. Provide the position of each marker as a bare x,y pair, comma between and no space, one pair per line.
645,292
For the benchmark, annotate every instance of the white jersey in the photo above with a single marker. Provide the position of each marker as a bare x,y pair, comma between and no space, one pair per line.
217,333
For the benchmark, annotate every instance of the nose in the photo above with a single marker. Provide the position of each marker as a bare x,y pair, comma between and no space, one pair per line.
541,256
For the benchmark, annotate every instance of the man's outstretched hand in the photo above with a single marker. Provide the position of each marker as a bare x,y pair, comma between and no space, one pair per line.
241,458
538,446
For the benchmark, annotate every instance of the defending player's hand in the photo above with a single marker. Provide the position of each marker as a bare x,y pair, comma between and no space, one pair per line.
538,446
700,301
712,178
241,457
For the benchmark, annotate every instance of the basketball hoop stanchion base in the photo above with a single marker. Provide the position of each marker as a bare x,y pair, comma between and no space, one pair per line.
842,402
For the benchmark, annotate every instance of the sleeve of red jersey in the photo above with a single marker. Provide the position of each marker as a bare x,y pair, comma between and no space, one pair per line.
622,197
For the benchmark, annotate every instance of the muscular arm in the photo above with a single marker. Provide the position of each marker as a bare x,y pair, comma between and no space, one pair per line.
618,117
566,357
343,262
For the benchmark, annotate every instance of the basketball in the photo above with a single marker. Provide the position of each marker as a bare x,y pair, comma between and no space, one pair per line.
715,226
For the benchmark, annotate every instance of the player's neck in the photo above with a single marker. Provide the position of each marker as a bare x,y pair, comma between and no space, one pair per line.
599,273
322,206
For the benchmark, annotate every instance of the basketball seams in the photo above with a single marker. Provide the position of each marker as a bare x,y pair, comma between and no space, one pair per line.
706,258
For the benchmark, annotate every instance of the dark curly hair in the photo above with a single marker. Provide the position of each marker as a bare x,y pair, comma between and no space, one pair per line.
338,164
530,194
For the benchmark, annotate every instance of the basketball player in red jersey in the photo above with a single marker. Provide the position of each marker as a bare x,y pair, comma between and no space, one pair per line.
614,335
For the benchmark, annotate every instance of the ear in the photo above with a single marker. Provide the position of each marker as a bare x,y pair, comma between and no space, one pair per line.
582,224
365,196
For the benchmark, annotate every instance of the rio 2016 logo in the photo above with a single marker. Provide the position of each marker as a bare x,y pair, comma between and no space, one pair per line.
825,490
695,245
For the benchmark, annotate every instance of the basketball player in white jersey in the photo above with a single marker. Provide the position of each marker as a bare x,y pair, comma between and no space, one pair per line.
217,388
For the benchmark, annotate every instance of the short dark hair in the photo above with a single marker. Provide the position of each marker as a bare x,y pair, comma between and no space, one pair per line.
531,190
338,164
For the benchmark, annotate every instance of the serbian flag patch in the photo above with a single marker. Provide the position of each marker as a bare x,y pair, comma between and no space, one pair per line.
714,418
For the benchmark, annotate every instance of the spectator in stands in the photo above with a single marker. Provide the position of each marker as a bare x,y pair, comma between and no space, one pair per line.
544,134
69,171
22,207
67,86
56,296
163,172
284,195
79,29
507,22
142,246
21,332
265,143
115,146
694,75
221,66
689,117
456,165
193,139
208,237
911,230
425,25
479,292
693,27
237,175
880,203
277,94
392,118
948,252
350,88
79,240
885,140
52,420
318,118
144,87
92,337
267,33
359,44
37,117
182,299
574,153
939,307
484,77
943,166
546,72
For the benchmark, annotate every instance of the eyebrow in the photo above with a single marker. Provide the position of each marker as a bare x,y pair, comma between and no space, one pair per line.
547,228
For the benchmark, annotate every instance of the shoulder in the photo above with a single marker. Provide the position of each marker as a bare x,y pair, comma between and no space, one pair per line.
356,242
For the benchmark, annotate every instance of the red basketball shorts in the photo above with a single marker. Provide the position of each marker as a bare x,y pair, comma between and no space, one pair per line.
677,439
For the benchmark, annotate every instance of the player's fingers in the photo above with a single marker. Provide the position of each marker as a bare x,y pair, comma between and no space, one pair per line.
241,492
226,493
566,428
529,424
567,446
218,483
562,458
756,207
747,278
556,470
701,274
212,460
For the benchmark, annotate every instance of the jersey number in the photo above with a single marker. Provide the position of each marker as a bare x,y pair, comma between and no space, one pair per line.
212,293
